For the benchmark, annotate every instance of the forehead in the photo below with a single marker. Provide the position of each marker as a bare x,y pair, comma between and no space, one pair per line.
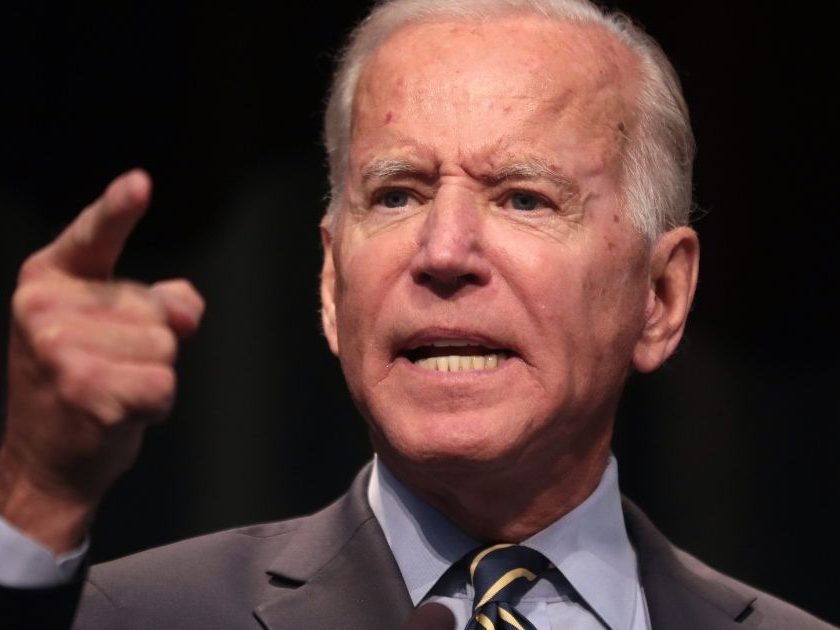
532,61
530,43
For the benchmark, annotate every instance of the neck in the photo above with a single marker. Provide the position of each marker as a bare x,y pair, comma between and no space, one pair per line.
508,503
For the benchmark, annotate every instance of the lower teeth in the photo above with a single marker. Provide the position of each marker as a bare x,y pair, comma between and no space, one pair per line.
460,363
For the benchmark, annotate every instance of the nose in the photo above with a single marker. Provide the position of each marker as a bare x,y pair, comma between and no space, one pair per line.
451,253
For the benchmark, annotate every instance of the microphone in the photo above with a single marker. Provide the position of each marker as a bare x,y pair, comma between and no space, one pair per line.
431,616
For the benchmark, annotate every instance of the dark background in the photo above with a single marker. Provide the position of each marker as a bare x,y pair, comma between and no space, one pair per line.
730,447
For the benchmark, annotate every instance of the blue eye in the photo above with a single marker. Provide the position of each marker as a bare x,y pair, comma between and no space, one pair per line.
525,201
394,199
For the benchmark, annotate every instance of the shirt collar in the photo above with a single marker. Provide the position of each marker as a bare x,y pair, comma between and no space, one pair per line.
589,544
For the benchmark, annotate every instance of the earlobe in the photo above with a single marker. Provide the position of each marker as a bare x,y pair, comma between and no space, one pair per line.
675,259
328,287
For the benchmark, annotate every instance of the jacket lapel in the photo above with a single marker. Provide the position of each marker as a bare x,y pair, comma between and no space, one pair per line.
681,592
337,572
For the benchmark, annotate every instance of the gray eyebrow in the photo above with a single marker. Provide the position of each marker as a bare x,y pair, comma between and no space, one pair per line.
529,169
391,168
387,168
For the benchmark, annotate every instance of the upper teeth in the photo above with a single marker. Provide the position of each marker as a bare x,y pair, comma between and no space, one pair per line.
460,363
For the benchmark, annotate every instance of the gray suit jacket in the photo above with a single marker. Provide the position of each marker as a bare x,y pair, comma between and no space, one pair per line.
334,570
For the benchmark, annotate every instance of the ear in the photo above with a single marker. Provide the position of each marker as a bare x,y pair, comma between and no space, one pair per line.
675,260
328,286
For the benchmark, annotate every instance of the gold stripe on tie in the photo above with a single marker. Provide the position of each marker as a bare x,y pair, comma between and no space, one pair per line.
503,581
484,621
479,557
506,616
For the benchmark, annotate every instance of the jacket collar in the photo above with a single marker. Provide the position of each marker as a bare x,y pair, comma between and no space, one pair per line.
680,591
337,568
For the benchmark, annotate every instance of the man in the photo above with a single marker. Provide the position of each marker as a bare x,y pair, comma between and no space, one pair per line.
506,241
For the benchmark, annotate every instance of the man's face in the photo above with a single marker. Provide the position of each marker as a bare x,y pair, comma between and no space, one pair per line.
483,229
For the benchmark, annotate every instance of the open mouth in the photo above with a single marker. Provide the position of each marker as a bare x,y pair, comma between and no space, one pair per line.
456,356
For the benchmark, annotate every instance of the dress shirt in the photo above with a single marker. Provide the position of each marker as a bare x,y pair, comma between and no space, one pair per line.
26,564
597,585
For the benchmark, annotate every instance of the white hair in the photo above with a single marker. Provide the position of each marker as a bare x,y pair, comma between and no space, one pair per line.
658,155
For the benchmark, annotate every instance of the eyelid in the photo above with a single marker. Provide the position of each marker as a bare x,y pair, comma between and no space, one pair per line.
542,198
379,193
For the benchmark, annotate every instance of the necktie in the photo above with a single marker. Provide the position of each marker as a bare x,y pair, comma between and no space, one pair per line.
500,575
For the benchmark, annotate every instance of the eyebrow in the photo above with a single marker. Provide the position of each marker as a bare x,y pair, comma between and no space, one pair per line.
385,168
529,169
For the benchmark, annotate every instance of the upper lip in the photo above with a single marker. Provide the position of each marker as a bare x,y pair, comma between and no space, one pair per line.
450,336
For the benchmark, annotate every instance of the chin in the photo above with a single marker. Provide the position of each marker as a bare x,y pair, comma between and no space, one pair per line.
441,441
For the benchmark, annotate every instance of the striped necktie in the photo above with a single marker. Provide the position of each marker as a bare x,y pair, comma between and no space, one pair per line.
500,575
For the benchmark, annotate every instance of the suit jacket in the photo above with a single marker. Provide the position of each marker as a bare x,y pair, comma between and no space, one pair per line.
334,570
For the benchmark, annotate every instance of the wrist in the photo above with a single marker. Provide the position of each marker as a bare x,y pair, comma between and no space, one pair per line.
59,521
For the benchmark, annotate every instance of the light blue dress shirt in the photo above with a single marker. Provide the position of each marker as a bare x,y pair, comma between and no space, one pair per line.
26,564
597,585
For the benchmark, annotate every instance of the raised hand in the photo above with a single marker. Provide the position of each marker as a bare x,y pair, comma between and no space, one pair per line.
90,367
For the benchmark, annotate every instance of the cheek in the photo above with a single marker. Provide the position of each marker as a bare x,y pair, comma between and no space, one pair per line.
583,300
615,295
368,269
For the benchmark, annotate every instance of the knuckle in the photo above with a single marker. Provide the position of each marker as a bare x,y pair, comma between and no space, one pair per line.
160,389
48,342
76,381
127,301
29,300
143,302
164,382
31,268
80,387
165,343
110,411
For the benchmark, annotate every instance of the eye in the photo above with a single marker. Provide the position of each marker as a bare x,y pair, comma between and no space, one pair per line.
393,198
526,201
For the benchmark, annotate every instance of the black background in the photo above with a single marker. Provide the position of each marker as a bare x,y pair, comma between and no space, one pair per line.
731,447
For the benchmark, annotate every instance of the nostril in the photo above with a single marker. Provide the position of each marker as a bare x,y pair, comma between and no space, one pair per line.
453,281
467,278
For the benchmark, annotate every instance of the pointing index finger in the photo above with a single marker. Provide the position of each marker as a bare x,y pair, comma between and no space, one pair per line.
90,246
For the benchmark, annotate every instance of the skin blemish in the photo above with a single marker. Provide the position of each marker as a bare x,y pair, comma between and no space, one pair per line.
615,218
389,117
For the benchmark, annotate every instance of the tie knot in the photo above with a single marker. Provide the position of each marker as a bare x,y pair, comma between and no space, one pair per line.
502,573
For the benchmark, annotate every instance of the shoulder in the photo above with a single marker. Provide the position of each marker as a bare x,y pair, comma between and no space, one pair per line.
196,560
217,580
683,592
764,610
210,579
